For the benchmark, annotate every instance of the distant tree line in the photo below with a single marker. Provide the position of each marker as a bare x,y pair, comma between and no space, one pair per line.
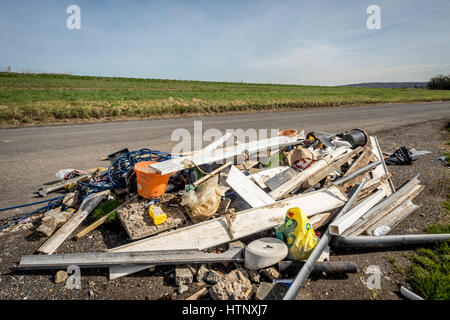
440,82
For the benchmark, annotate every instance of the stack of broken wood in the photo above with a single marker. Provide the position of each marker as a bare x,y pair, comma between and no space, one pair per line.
317,174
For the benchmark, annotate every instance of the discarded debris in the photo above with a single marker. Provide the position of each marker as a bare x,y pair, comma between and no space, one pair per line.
234,286
316,193
60,276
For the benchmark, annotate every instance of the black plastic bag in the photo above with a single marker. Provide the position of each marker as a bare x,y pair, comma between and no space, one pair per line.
401,156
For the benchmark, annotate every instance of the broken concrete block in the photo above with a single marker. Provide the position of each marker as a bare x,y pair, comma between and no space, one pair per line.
202,273
182,288
183,276
70,200
52,220
60,276
271,273
263,290
213,277
234,286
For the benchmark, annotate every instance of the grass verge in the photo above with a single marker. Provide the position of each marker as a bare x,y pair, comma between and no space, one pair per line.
430,273
47,98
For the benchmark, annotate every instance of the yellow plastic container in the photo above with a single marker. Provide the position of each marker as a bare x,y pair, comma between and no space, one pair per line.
156,213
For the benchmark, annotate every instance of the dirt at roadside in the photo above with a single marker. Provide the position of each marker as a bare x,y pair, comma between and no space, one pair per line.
160,284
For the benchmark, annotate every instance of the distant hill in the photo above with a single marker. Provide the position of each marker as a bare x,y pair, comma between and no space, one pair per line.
391,85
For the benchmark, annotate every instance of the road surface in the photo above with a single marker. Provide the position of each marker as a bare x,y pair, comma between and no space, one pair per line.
30,156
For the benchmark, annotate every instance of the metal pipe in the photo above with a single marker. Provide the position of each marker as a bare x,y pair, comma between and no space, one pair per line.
356,173
374,242
409,294
328,267
320,247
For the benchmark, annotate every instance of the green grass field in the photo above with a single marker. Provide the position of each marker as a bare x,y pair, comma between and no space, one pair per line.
49,98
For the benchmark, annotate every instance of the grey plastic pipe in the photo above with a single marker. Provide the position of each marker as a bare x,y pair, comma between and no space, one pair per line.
373,242
320,247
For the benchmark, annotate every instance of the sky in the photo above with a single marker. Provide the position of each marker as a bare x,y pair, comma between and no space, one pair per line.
307,42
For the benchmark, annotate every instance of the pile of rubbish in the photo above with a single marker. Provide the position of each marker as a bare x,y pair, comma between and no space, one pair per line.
246,222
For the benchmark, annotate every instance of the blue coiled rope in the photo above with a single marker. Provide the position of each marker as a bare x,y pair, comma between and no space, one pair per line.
120,167
118,170
55,202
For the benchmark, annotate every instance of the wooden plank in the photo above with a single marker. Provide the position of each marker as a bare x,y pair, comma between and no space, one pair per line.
214,232
395,217
372,185
382,212
320,219
340,225
322,174
106,259
297,180
210,146
102,220
381,170
363,160
211,174
177,164
198,294
70,225
247,189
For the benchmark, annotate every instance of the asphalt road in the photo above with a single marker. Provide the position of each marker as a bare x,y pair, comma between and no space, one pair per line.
30,156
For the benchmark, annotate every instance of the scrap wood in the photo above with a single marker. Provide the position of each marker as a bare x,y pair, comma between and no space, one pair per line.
376,216
373,185
381,209
320,219
211,174
215,232
89,204
209,147
363,160
381,170
178,164
297,180
106,259
394,218
322,174
247,189
340,225
103,219
198,294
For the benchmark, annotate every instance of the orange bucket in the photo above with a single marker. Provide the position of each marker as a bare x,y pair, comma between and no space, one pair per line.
150,183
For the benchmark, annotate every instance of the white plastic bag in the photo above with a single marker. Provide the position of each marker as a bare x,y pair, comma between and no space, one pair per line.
203,202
